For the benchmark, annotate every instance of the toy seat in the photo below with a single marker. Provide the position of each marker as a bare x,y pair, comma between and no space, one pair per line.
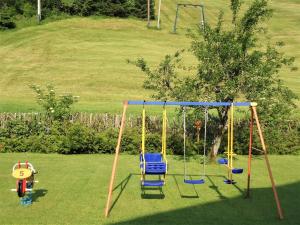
201,181
237,170
152,183
154,164
223,161
227,181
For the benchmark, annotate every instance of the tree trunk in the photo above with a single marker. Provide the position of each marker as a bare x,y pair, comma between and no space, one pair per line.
217,142
222,112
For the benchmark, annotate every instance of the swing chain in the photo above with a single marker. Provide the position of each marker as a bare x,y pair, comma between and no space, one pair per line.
204,142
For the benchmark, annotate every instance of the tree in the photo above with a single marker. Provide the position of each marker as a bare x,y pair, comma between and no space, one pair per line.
234,62
56,107
6,18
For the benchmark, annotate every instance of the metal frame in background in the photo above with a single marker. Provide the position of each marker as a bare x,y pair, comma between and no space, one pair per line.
158,14
202,22
148,12
39,14
254,117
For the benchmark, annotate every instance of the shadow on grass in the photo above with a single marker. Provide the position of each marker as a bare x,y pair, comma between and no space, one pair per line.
214,187
158,191
155,192
122,185
259,209
39,193
207,178
180,192
159,194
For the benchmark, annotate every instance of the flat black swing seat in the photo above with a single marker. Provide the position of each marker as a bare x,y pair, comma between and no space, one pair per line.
201,181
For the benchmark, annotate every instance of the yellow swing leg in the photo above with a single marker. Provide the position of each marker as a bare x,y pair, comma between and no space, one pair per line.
230,153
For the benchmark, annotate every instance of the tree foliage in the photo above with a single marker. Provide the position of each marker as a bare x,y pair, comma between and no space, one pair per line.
10,9
163,79
6,21
56,107
235,61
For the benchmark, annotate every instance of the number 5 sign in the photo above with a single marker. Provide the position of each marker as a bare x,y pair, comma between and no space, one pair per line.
22,173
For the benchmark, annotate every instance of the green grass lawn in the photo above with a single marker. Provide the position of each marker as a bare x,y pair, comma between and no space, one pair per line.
87,56
73,190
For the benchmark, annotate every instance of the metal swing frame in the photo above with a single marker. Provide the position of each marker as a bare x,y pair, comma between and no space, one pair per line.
201,6
254,117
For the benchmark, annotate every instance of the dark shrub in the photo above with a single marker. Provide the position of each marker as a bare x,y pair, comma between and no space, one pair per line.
6,18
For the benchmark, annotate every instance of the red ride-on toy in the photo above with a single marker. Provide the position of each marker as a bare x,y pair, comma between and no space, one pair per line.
24,173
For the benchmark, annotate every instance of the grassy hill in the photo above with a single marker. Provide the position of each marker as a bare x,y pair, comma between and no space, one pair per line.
87,56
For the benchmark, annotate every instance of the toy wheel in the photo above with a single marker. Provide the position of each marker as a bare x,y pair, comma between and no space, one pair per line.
20,191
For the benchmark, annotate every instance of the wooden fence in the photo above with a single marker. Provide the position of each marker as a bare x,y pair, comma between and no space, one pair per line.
102,121
96,121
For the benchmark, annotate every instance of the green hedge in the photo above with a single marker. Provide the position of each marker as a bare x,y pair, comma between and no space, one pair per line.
10,9
75,138
6,18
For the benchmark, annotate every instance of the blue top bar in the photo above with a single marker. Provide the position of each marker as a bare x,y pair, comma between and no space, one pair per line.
189,103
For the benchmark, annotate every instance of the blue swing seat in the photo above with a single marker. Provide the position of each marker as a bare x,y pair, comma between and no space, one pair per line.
152,183
201,181
227,181
237,171
223,161
154,164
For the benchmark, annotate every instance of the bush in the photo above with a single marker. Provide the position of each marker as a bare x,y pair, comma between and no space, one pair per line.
107,141
280,138
65,137
139,9
28,10
115,8
6,18
120,8
131,141
78,139
57,108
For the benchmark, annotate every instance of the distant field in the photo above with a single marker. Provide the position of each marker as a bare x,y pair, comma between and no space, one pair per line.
73,190
87,56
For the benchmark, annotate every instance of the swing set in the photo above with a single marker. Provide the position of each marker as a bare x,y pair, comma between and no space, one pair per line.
156,163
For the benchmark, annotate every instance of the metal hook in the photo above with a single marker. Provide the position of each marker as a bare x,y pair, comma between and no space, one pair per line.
144,103
164,104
